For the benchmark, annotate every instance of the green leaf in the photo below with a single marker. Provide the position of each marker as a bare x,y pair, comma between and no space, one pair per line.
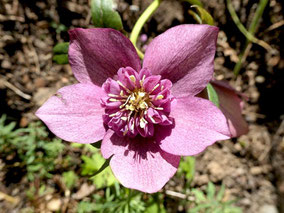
77,145
61,59
195,16
61,48
233,209
210,191
60,51
199,195
34,168
89,166
97,167
155,208
97,144
104,177
217,210
220,194
212,95
104,16
187,166
69,178
205,16
104,166
194,2
199,207
86,207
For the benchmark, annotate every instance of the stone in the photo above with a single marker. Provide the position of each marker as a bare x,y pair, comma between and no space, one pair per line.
268,209
54,205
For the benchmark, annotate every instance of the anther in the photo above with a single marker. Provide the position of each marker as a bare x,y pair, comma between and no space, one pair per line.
159,97
112,115
130,107
113,100
141,94
154,88
142,81
124,87
113,95
143,123
125,132
152,119
132,78
143,105
123,105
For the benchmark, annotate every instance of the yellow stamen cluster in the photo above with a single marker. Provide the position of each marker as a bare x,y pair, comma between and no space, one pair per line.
137,102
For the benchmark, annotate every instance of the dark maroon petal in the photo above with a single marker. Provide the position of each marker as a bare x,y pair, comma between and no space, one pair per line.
231,105
96,54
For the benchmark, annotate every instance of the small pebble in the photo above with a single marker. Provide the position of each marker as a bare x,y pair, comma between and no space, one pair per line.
268,209
259,79
134,8
6,64
256,170
54,205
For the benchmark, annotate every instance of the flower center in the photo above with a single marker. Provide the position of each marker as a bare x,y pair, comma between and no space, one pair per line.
136,103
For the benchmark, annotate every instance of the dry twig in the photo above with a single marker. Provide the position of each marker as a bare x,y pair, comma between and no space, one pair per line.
8,198
14,89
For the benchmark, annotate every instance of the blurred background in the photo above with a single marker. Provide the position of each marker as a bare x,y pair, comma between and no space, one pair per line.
41,173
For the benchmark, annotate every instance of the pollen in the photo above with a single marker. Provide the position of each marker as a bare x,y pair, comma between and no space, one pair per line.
159,97
137,103
132,78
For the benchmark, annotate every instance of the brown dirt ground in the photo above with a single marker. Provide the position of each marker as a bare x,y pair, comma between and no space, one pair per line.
251,166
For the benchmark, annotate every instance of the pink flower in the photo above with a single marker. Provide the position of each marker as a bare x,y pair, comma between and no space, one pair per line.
146,117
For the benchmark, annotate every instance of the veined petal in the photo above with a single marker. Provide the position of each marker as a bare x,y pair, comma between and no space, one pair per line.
185,55
231,105
96,54
74,113
198,123
139,163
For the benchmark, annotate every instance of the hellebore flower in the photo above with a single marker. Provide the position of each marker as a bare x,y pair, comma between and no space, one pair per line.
147,117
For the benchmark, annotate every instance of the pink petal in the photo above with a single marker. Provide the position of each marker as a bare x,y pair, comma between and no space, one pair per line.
74,113
231,105
184,55
198,123
151,82
111,87
139,163
96,54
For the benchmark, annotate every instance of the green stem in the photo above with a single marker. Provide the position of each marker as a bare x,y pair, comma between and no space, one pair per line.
258,14
252,29
129,197
243,30
140,23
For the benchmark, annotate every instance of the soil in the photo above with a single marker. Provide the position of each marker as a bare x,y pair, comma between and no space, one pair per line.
251,166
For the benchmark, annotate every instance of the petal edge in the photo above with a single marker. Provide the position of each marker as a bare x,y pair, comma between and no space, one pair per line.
74,113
